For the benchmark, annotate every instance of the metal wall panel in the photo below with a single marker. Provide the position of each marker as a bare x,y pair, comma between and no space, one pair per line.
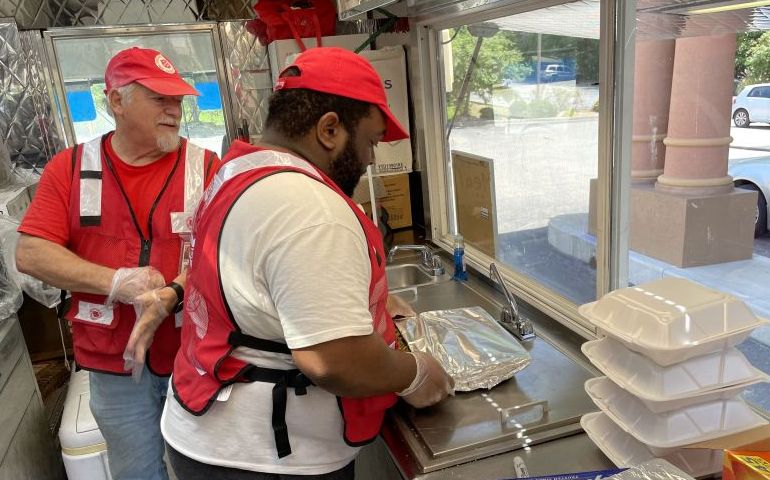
26,121
248,75
68,13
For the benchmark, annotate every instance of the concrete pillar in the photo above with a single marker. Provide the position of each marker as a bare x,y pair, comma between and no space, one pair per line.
699,117
653,70
693,215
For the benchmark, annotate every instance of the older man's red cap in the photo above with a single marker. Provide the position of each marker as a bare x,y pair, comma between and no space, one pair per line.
148,68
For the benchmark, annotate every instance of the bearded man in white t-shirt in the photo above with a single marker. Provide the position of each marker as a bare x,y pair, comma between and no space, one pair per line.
287,363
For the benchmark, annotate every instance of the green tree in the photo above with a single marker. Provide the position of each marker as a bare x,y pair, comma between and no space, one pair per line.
585,51
587,60
498,57
758,60
746,40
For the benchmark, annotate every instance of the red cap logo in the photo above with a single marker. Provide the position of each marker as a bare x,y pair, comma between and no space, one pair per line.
164,64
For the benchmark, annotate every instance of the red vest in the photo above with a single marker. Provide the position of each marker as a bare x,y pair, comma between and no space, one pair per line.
112,239
210,333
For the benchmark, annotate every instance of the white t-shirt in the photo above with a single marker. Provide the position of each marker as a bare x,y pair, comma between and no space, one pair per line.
295,266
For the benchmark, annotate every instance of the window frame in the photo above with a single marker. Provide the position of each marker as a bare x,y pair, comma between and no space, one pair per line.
57,91
616,69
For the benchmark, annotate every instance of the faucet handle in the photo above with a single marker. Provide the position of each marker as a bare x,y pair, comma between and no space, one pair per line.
525,329
518,325
426,254
435,265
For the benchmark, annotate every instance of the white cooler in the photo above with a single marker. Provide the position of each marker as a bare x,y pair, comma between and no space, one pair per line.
82,445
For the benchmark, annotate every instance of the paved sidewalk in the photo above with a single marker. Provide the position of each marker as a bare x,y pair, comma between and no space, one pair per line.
748,280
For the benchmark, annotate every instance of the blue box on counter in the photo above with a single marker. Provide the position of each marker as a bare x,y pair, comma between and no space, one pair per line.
595,475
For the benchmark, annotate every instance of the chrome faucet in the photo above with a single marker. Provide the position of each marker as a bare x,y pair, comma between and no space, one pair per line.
510,318
428,259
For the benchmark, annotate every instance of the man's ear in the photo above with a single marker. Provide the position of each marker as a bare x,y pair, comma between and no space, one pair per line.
115,101
329,131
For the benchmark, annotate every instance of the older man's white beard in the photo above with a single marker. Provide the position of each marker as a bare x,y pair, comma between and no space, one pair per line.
167,142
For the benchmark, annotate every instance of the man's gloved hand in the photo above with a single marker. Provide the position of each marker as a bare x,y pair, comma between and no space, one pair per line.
151,309
431,383
129,283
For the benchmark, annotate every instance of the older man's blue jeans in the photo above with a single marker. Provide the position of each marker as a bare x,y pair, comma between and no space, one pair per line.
128,415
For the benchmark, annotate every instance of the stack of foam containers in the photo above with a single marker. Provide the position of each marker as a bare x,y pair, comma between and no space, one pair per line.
673,375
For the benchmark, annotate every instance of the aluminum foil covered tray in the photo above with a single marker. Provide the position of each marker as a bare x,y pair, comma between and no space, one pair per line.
471,346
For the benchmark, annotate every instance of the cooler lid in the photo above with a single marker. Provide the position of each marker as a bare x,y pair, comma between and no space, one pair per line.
78,427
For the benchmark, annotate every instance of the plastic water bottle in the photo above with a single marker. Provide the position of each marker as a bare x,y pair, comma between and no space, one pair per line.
459,255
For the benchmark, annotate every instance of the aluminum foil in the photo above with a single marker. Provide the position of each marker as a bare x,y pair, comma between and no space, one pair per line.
13,282
471,346
656,469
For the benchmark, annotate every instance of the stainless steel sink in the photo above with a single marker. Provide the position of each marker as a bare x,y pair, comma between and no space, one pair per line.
410,275
470,426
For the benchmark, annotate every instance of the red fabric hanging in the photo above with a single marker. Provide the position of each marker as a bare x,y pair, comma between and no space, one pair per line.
297,19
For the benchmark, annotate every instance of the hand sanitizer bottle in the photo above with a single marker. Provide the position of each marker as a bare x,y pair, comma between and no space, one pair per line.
459,257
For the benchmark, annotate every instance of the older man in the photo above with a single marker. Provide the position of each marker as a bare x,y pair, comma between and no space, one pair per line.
109,223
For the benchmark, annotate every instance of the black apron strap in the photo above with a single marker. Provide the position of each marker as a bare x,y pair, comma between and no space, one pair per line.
283,380
239,339
280,431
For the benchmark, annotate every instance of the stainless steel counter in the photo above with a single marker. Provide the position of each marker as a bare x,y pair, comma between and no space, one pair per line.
477,435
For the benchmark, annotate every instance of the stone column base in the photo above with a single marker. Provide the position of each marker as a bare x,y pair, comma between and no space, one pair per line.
688,231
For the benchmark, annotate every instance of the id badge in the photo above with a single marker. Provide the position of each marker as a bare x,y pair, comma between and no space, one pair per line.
185,252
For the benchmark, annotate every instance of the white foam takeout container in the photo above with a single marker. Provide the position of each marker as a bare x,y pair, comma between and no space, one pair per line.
672,319
719,375
625,451
665,432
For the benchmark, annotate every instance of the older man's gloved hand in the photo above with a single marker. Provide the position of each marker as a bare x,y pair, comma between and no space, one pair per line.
431,383
151,309
129,283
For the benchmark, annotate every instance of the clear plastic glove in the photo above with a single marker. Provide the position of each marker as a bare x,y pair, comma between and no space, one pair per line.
129,283
431,383
397,307
151,309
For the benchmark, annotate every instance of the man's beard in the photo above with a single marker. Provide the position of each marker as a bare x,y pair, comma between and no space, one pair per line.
167,142
346,170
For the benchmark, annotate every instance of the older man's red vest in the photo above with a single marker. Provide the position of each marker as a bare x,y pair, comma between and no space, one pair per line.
103,230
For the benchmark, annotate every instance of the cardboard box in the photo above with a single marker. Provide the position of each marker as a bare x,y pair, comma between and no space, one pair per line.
390,64
281,52
397,201
746,465
474,182
593,475
14,201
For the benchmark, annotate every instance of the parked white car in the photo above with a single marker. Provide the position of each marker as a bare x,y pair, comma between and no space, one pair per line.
752,105
754,175
557,73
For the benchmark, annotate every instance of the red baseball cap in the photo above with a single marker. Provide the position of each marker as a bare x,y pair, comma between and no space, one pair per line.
147,67
341,72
